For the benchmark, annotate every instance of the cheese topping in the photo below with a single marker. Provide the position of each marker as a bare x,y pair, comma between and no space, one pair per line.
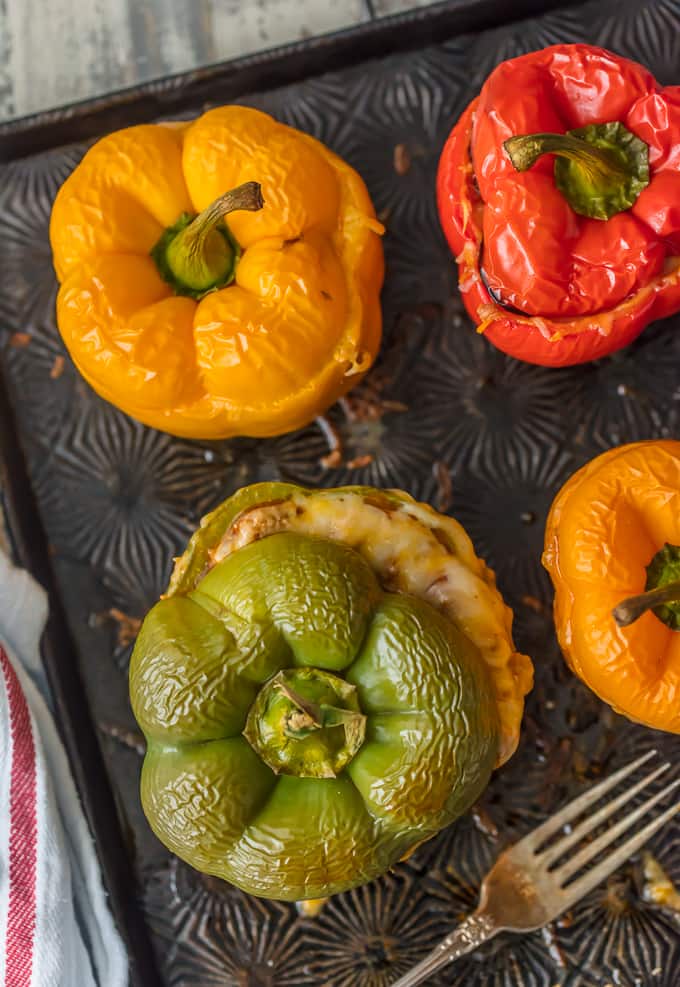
414,550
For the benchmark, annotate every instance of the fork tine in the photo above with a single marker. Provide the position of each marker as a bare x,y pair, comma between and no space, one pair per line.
578,805
607,838
573,892
592,822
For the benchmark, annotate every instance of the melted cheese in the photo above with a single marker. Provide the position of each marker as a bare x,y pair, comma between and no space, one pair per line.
415,550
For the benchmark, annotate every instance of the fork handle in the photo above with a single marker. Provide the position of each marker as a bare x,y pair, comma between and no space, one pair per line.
466,937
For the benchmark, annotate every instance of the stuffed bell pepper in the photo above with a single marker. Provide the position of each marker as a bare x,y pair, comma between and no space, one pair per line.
220,277
329,680
559,192
612,548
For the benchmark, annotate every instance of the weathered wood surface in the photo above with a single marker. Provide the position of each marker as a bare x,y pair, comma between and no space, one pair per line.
55,51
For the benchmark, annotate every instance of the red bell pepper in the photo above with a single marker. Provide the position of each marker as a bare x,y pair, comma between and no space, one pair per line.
559,193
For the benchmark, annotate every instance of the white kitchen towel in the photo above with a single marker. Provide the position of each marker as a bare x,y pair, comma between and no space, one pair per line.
56,929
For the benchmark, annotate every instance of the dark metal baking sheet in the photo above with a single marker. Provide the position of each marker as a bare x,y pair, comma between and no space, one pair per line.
98,505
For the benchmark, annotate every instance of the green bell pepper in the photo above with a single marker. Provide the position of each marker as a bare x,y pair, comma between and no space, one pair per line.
308,722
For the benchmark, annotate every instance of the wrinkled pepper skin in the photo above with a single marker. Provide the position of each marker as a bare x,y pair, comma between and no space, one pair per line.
321,587
605,527
298,326
543,283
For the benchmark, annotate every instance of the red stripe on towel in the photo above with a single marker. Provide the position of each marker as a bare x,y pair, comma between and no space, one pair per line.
23,835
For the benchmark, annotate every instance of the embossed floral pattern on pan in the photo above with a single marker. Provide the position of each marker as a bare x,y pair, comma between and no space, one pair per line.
441,414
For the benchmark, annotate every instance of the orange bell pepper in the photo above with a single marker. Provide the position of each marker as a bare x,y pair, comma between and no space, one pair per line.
206,330
611,548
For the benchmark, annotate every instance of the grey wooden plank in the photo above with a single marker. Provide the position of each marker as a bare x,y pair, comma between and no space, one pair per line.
259,24
6,86
64,50
384,7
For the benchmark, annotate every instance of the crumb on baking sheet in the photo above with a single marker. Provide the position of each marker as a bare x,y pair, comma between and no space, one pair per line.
359,462
311,907
132,739
18,340
483,821
658,887
127,626
442,475
402,159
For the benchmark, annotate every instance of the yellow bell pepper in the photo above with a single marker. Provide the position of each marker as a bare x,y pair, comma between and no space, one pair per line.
206,330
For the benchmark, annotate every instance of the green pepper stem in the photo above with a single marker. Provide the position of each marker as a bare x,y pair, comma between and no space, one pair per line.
632,608
197,255
309,715
292,732
245,197
524,152
317,716
600,169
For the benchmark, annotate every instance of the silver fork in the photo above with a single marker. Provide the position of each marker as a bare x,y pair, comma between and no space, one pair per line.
528,886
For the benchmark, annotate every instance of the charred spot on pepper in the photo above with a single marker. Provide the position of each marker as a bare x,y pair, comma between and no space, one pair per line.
444,540
381,503
389,577
495,297
439,581
474,184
